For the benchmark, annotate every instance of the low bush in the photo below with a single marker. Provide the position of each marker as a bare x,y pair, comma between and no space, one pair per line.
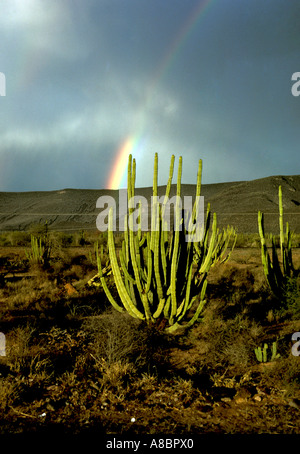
117,337
290,305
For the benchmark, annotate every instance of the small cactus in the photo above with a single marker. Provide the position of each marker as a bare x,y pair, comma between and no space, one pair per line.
261,353
40,251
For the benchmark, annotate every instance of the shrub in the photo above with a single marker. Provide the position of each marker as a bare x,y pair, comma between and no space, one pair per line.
119,338
290,304
19,238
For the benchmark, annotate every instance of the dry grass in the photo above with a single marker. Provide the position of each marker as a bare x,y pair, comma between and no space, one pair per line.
29,294
73,358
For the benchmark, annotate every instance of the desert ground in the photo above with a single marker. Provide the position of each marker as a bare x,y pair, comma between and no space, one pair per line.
71,364
74,365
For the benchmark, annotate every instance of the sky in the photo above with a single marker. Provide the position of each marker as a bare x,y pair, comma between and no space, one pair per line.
89,81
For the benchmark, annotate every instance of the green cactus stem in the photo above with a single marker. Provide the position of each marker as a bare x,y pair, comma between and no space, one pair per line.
275,355
261,354
258,354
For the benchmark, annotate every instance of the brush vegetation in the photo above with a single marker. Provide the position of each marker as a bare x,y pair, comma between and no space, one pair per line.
74,363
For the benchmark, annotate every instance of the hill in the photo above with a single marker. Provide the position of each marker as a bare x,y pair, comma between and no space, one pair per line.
236,203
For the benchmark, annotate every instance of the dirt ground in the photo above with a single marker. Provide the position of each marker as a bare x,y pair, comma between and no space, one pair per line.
73,365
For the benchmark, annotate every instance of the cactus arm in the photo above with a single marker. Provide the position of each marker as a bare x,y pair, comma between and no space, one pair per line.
195,317
200,249
288,265
206,264
105,287
199,178
265,353
167,305
160,308
129,178
277,274
174,263
126,238
274,351
156,246
133,252
125,252
198,192
154,209
266,261
186,302
149,264
146,306
163,253
281,222
233,232
258,354
138,256
164,236
134,249
133,177
135,242
139,235
223,244
136,271
125,298
174,277
264,252
124,268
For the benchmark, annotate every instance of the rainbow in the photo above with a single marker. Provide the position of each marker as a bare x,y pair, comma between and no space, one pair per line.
133,142
119,172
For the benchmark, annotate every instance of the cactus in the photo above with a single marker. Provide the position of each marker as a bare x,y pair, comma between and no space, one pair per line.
261,354
258,354
277,274
40,251
159,276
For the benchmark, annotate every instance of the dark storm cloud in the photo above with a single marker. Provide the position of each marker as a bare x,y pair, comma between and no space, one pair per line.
78,84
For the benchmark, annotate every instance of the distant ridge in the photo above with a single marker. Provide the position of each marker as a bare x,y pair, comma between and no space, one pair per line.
235,203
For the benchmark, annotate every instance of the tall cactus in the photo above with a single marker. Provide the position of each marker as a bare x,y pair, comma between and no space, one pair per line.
277,274
159,275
